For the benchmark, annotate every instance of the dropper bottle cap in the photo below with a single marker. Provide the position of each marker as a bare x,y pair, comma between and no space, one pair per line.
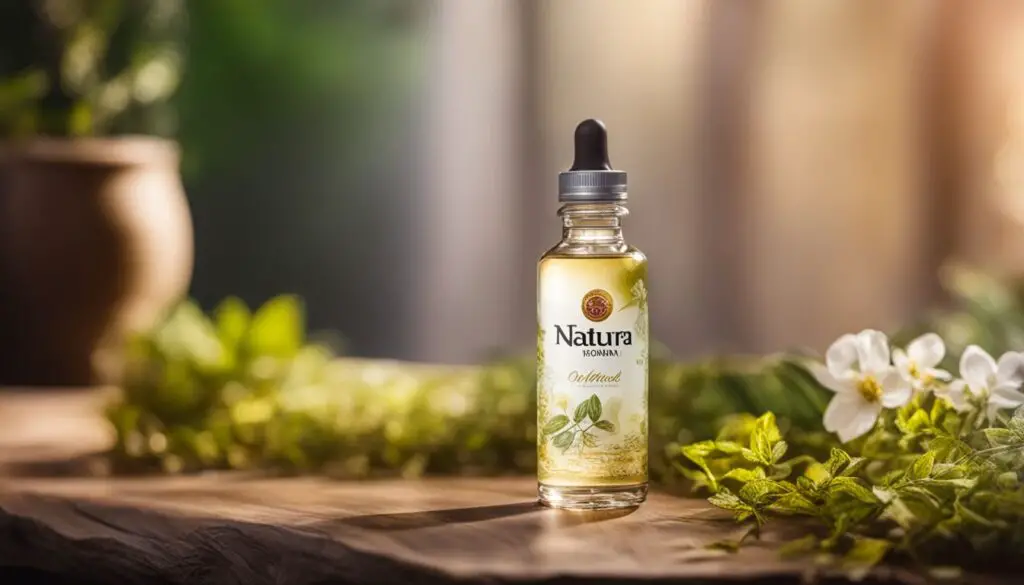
591,179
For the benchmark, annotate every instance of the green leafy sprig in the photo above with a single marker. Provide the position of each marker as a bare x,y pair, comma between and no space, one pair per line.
926,484
564,431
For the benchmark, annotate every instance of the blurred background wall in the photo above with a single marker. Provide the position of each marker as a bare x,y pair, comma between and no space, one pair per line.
798,169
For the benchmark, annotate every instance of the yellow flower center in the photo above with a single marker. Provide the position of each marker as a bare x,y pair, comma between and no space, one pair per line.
870,389
917,374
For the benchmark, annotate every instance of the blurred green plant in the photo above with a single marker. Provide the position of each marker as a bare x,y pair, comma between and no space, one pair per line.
986,310
246,391
90,67
330,76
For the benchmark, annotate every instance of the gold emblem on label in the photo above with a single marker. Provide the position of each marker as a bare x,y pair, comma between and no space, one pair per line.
597,305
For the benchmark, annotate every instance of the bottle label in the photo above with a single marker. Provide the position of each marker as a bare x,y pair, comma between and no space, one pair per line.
592,358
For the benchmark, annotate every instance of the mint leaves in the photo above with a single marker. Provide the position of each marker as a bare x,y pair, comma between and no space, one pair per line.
586,417
555,423
927,483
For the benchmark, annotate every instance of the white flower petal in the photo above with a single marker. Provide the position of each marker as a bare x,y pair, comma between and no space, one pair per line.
992,412
862,422
841,356
903,363
958,393
927,350
1006,396
872,351
1010,369
826,379
896,390
977,368
842,410
937,374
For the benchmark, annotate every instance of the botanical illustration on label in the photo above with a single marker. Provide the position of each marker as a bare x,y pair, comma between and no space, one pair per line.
592,353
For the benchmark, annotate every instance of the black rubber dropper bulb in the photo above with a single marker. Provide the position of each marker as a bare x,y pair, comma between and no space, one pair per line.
591,147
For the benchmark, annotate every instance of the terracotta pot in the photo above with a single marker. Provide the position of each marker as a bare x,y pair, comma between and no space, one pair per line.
95,242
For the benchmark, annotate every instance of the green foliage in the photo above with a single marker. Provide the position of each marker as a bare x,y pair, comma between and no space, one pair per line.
925,483
327,78
95,66
245,390
581,428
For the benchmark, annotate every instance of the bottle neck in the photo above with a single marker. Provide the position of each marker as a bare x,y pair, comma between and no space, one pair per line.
593,224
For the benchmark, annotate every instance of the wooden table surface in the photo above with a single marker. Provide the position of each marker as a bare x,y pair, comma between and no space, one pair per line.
59,522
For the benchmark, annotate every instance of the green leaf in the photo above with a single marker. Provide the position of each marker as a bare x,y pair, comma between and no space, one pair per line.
729,447
594,408
698,452
805,485
564,439
277,328
764,437
973,517
965,483
922,467
837,462
728,501
779,451
863,555
924,494
744,475
605,425
581,411
817,473
1000,437
589,440
766,426
751,456
555,423
900,511
916,423
852,487
1016,423
759,491
855,465
938,412
947,448
232,318
795,503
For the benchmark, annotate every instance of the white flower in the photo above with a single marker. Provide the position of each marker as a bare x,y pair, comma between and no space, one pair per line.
860,373
918,364
985,380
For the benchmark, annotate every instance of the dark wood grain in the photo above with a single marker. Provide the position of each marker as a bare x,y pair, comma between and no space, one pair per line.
58,524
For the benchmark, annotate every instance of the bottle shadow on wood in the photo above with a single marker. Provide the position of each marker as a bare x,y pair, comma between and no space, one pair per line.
546,517
431,518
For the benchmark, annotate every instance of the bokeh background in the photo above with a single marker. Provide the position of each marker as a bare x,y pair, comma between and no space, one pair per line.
798,169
